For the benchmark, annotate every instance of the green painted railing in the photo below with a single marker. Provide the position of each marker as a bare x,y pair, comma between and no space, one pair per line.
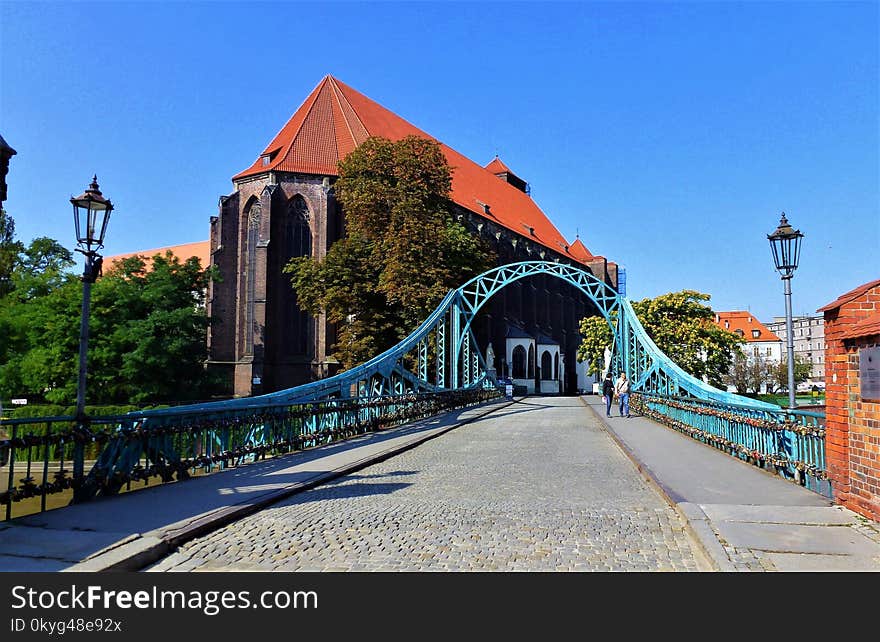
790,443
48,461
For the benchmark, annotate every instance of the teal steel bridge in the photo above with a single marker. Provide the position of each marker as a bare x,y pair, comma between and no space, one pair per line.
439,366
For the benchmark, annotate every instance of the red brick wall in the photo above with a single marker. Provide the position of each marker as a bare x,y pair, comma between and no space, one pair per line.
852,425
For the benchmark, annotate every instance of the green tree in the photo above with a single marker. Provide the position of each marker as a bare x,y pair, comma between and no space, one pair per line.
147,332
9,251
596,336
402,252
748,374
39,270
681,325
779,372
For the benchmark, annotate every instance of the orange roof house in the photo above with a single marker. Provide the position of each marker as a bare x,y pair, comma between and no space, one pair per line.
745,325
335,119
199,249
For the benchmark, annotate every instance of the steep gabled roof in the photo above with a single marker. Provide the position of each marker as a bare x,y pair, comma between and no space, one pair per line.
544,340
515,332
579,251
744,321
498,167
335,118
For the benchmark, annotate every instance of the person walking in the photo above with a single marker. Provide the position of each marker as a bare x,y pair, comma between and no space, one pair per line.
608,393
621,388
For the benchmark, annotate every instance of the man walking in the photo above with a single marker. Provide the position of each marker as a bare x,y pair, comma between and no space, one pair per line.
608,393
621,388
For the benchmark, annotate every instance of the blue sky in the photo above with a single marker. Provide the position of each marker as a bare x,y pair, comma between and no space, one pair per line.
670,136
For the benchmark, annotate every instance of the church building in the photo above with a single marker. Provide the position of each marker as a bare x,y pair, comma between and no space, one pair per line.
283,206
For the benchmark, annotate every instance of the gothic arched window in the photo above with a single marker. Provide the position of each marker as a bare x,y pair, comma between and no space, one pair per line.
253,213
299,234
519,362
546,366
297,240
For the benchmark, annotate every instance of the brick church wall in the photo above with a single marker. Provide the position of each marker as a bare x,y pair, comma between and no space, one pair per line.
541,304
852,422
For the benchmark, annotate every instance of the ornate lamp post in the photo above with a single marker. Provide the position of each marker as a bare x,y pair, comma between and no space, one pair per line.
785,243
91,213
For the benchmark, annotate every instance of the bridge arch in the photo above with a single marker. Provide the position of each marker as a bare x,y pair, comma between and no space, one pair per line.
479,290
404,369
635,353
460,364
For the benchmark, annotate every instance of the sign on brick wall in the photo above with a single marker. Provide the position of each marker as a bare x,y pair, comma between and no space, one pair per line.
869,374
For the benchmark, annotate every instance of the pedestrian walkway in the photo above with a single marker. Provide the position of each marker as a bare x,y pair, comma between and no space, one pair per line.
746,518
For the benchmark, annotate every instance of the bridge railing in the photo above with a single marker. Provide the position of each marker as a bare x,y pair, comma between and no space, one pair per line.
44,461
790,443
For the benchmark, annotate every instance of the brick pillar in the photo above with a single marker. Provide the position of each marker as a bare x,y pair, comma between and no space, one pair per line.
836,419
852,415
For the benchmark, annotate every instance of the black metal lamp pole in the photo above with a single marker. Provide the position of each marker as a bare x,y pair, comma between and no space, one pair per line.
785,243
91,213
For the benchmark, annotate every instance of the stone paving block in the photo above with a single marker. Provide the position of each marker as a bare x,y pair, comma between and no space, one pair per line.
817,515
572,502
782,538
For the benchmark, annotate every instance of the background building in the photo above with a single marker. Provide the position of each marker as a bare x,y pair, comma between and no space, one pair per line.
200,249
809,343
760,341
283,206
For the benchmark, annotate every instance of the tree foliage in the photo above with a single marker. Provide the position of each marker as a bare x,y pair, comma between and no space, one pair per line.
681,325
596,336
402,252
778,375
9,251
748,374
147,330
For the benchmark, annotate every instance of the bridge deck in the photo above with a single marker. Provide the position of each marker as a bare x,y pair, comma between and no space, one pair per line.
535,486
543,470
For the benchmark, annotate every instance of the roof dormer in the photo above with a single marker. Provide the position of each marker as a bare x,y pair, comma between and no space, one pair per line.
503,172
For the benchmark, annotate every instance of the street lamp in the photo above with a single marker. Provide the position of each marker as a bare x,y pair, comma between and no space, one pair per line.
785,243
91,213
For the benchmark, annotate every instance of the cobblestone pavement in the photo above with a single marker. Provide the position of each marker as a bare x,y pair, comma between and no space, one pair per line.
537,486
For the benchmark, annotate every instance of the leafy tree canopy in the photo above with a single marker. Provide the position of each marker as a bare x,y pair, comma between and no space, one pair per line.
147,330
402,252
9,251
779,372
748,374
681,325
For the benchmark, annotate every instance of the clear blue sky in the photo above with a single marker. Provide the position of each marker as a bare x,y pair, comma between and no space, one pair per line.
669,135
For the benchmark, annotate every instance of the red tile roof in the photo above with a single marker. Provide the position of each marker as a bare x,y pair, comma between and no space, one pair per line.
497,167
741,320
849,296
580,251
335,118
200,249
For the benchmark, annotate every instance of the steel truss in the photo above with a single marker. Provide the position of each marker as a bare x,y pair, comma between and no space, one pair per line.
440,356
